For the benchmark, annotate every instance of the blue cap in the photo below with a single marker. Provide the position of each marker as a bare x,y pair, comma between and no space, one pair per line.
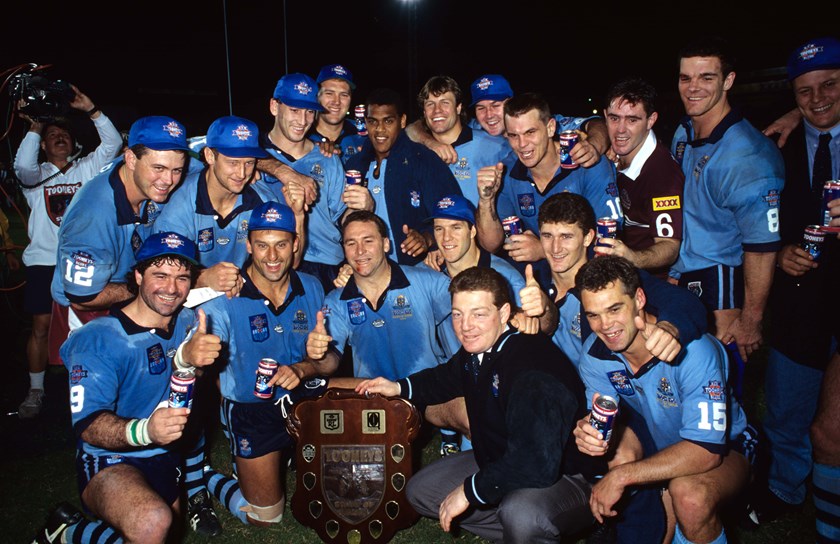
235,137
819,54
490,87
298,91
336,71
159,133
272,216
454,207
166,243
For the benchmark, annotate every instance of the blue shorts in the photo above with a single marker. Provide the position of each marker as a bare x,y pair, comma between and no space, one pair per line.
162,472
719,287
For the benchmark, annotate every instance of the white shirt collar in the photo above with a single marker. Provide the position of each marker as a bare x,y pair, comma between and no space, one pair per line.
641,157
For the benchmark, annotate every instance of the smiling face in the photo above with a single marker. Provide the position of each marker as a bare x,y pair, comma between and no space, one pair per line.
56,143
611,313
565,246
442,115
703,87
384,124
334,95
454,238
272,254
163,287
817,96
365,248
232,174
154,175
529,136
290,123
490,114
478,323
628,126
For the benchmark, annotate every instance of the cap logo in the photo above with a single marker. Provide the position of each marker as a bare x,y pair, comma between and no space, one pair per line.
271,215
445,203
303,88
172,241
485,83
173,129
339,70
810,51
242,132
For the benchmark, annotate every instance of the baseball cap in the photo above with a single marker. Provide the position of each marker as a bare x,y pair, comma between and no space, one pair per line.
818,54
298,91
272,216
166,243
336,71
454,207
235,137
490,87
158,132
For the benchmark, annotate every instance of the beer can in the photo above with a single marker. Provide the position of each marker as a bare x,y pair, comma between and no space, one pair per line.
812,241
604,410
265,371
353,177
606,227
568,139
831,191
181,386
512,225
359,119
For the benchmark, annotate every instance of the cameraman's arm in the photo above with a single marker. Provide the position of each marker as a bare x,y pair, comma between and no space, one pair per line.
110,140
26,165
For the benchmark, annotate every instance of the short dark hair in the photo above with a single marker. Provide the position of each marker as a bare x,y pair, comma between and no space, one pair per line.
436,86
140,149
142,266
480,278
570,208
634,90
600,272
385,97
521,104
364,216
711,46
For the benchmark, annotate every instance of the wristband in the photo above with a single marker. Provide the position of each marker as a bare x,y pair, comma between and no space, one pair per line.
137,432
94,110
179,359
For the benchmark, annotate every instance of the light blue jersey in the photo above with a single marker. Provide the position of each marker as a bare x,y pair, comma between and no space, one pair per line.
476,149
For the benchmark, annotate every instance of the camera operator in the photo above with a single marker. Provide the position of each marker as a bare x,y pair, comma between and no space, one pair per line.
48,187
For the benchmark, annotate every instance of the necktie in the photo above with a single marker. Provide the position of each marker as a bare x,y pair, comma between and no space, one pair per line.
475,365
822,165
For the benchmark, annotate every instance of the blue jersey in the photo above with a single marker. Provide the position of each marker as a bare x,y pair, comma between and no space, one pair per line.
323,243
476,149
117,366
563,123
251,328
190,213
685,401
733,180
400,337
349,141
519,195
98,237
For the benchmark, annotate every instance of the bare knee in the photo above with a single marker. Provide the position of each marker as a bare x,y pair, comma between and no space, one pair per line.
150,522
694,502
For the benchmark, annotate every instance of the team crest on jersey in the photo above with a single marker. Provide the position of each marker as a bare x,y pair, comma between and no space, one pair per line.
259,327
349,150
527,205
714,390
205,239
378,323
665,394
77,373
223,240
494,385
771,198
356,311
612,189
303,88
317,173
695,287
242,230
625,199
680,151
462,169
698,168
575,328
415,198
621,383
402,308
242,132
157,360
57,198
244,446
153,210
136,241
662,203
300,323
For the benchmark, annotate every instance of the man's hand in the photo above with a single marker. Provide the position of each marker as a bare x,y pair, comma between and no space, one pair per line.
584,153
296,180
285,377
81,101
525,247
382,386
525,324
783,126
605,493
414,243
489,180
453,505
295,196
34,125
533,299
166,425
446,152
746,332
222,277
203,348
834,213
434,260
344,274
328,148
795,261
318,341
358,197
660,339
587,438
613,246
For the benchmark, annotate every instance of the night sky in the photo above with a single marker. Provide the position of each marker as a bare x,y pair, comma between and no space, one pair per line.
170,57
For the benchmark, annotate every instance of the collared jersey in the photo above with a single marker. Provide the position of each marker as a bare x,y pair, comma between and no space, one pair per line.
685,401
115,365
476,149
190,213
349,141
98,237
323,241
251,328
401,336
733,181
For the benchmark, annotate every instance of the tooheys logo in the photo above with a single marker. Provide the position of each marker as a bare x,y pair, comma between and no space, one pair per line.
57,198
666,203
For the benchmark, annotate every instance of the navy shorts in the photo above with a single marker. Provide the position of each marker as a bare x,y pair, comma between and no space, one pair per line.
36,293
719,287
162,472
256,428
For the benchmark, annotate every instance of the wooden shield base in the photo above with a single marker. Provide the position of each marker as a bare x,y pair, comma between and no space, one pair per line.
353,462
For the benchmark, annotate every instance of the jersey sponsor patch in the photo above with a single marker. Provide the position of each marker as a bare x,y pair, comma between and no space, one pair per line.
527,204
714,390
157,360
771,198
300,323
401,308
57,198
378,323
206,239
356,311
77,372
621,382
223,240
259,327
665,394
662,203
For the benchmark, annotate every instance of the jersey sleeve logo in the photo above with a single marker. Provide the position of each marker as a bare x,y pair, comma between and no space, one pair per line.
77,373
662,203
259,327
714,390
771,198
621,383
157,361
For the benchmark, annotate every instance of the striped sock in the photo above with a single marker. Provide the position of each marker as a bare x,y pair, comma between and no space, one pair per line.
194,469
826,479
91,532
226,490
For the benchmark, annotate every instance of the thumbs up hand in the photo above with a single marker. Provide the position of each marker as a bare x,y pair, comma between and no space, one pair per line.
318,341
533,300
202,348
414,244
